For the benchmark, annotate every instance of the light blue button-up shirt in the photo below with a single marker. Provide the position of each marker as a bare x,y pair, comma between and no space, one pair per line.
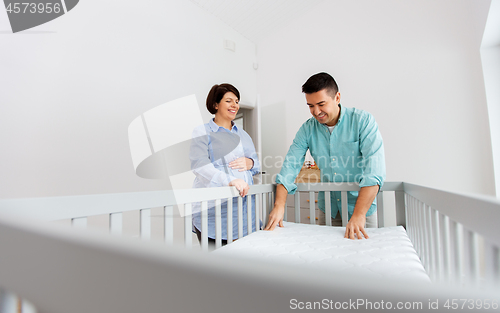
353,152
212,170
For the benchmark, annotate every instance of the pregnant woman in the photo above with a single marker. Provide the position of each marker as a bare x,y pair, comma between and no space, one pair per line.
223,154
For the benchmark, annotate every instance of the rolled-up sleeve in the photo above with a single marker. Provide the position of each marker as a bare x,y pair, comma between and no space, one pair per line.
249,150
372,151
293,161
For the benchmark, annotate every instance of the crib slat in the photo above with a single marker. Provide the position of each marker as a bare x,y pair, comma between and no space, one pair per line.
328,209
400,208
265,214
492,265
380,209
272,197
343,199
416,227
445,234
188,222
427,241
474,257
422,234
249,214
468,264
240,217
297,207
431,257
408,220
229,220
312,208
79,222
477,241
145,216
432,242
168,231
258,201
218,225
414,224
204,226
116,223
458,252
285,215
437,245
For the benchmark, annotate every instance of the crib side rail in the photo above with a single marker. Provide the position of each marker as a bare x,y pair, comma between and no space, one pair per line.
72,207
457,236
344,188
174,203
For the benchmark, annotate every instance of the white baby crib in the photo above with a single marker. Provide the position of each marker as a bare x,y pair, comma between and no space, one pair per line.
62,269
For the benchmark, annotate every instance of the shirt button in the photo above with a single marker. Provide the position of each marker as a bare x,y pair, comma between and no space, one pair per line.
338,199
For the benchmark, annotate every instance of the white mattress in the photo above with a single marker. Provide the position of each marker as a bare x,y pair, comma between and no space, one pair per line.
388,253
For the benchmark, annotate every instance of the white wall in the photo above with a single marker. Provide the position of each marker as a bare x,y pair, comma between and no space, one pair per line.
70,88
490,57
415,65
491,67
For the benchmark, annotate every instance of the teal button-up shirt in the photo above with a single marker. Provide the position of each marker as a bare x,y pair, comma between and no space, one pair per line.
353,152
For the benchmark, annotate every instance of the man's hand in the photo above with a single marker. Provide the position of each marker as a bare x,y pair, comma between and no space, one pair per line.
241,185
243,164
356,226
275,218
276,215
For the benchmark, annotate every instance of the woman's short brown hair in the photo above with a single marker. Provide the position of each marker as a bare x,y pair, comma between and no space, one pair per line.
217,93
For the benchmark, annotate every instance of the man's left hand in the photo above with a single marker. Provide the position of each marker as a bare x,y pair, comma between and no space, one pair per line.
356,227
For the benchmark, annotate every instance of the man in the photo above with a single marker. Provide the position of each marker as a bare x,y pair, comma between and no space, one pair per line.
347,147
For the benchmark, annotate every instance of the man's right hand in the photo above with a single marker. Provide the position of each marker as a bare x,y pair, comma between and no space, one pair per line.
275,218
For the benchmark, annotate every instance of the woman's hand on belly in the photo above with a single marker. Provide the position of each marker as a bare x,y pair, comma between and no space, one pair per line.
241,164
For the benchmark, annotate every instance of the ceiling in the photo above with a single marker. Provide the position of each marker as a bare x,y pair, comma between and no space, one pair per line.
255,19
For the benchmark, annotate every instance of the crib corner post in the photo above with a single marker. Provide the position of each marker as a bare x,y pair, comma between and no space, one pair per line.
400,208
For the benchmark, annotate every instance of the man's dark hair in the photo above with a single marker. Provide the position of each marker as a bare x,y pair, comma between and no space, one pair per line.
217,93
319,82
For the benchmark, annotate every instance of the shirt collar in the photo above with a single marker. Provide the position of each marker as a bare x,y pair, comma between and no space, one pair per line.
214,127
341,114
